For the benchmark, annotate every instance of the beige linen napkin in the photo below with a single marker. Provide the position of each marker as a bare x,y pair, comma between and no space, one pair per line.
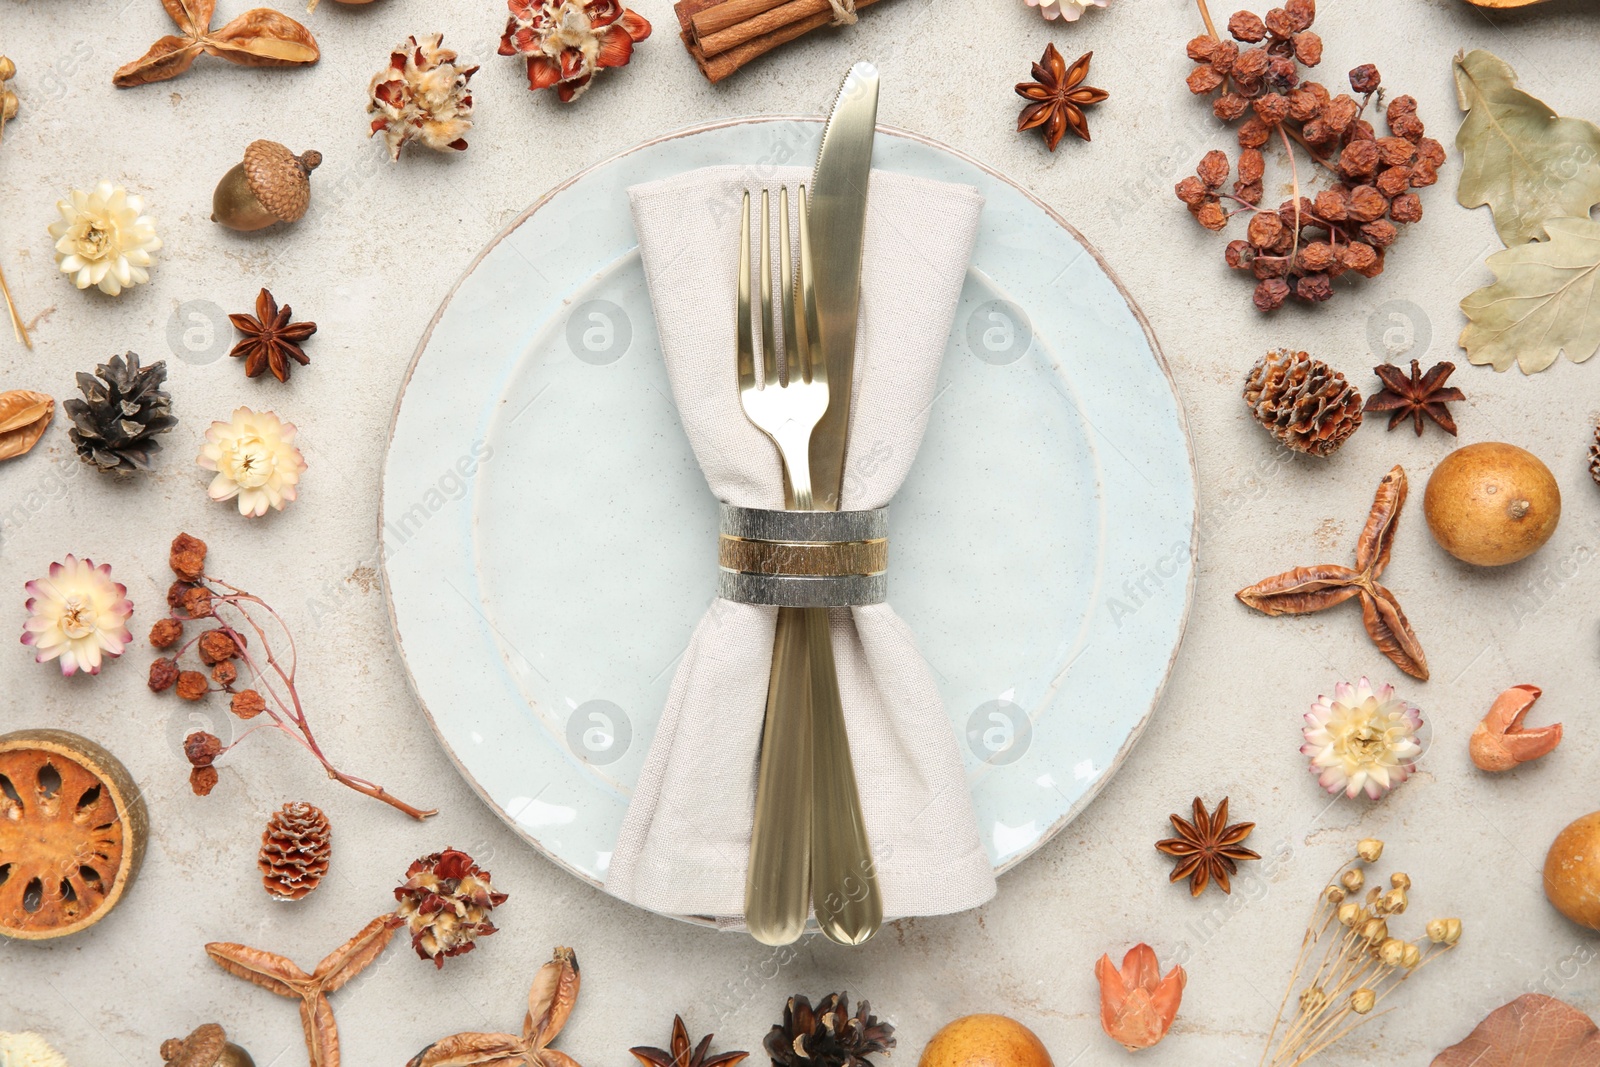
685,841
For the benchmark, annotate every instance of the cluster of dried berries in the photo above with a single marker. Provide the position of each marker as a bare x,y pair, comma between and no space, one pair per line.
446,901
197,598
1298,248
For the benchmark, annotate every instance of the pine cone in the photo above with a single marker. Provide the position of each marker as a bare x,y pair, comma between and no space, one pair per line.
829,1036
114,427
1304,403
294,851
1594,457
446,901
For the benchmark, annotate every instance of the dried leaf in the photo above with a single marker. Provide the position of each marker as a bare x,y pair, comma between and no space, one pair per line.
352,957
1531,1031
1391,632
167,58
1377,537
1545,300
1518,156
473,1050
264,38
24,415
551,998
1302,590
266,969
322,1033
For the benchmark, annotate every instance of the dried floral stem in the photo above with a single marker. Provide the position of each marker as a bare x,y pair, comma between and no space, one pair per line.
1310,151
1294,176
1205,16
16,317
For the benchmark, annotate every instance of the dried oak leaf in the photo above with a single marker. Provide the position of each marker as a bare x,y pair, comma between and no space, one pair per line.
24,415
1303,590
258,38
1530,1031
1518,156
550,1003
1545,301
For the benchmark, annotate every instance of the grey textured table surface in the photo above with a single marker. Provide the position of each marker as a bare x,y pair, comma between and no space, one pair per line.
374,260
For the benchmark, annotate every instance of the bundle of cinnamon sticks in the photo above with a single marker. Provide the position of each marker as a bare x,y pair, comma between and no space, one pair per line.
724,35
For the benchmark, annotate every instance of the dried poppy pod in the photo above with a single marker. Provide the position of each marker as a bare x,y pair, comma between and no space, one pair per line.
270,186
207,1046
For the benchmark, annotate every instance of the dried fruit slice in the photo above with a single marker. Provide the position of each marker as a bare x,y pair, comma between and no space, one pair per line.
73,828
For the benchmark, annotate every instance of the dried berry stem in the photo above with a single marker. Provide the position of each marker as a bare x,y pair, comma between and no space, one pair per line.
1205,16
1312,152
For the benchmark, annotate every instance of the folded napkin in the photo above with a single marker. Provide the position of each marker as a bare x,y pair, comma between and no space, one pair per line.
685,842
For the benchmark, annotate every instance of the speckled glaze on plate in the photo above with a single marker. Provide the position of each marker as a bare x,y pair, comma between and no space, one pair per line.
549,542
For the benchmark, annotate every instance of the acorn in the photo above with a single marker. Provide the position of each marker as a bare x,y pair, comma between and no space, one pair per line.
208,1046
272,185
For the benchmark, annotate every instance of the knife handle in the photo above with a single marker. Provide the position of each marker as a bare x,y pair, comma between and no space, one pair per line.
777,893
845,889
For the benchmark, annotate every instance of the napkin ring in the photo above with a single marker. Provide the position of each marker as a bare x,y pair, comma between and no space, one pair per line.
803,559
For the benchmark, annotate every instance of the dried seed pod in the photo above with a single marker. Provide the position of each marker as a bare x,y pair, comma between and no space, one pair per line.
1369,849
65,796
24,415
207,1046
1363,1001
8,99
1444,931
1353,880
270,186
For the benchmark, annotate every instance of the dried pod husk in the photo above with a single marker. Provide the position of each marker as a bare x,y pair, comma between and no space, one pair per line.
271,185
24,415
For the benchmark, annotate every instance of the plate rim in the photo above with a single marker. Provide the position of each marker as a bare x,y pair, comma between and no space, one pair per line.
1137,731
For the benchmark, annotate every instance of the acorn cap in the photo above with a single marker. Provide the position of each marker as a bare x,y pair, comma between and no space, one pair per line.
280,179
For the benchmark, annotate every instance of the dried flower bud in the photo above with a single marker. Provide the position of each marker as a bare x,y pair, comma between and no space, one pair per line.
446,900
1247,26
1413,956
1400,880
1394,901
1334,894
192,685
247,704
1353,879
163,675
1392,952
165,633
215,646
1374,930
1444,931
1350,914
1362,1001
1365,79
225,673
188,557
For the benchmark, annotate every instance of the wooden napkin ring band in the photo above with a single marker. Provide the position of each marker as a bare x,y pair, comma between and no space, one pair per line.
803,559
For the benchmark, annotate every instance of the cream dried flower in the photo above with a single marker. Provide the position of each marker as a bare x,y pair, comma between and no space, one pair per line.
1071,10
422,95
104,238
255,459
28,1049
1362,739
77,615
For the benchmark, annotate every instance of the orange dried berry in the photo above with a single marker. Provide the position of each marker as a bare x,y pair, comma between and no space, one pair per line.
225,673
163,675
165,633
192,685
248,704
216,646
1247,26
187,557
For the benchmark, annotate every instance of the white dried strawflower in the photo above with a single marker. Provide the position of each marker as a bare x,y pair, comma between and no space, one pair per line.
104,238
1362,739
79,616
1071,10
423,96
28,1049
255,459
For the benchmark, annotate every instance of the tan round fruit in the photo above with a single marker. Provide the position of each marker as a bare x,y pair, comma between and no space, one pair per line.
985,1041
1491,504
1572,871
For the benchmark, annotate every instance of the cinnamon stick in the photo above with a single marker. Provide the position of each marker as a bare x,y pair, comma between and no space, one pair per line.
724,64
730,13
758,25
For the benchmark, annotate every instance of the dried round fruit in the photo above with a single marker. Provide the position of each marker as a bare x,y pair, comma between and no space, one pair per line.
985,1041
1491,504
73,828
1572,871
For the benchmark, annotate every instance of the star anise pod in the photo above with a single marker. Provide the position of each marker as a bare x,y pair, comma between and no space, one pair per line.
681,1053
1208,849
1419,395
1058,97
270,339
1306,589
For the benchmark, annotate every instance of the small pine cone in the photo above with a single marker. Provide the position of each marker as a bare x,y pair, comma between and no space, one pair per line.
1304,403
1594,457
294,851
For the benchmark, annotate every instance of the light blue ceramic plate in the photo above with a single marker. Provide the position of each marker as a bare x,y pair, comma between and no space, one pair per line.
550,542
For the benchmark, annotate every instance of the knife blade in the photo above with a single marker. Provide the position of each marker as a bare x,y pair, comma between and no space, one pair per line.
846,896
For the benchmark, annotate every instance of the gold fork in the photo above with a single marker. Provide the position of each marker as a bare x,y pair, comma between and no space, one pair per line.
778,883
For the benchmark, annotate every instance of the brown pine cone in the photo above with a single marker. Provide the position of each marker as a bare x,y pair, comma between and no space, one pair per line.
294,851
1307,405
1594,457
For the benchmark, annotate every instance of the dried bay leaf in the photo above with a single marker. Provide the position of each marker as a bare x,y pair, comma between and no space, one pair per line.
1545,300
1518,156
1532,1031
24,416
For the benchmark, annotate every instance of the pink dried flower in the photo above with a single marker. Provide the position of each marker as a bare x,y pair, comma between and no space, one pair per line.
1362,739
77,615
